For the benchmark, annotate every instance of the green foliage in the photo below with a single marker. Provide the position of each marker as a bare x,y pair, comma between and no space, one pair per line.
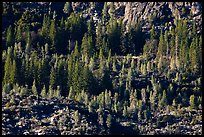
67,8
34,89
109,121
9,37
192,102
24,91
52,35
43,92
152,33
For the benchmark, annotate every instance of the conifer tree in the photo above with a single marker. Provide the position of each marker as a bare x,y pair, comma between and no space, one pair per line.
192,102
67,8
52,35
161,46
43,92
109,121
45,27
166,43
163,101
7,65
99,37
34,89
50,93
105,13
124,111
28,40
53,78
9,37
152,33
19,34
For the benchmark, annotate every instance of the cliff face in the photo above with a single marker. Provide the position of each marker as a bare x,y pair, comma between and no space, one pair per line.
148,13
159,14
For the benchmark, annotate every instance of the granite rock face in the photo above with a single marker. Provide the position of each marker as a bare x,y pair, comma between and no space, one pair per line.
148,13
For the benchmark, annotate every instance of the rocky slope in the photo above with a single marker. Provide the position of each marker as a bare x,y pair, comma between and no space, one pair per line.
57,116
159,14
148,13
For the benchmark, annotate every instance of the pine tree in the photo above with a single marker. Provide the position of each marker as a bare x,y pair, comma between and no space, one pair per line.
100,119
43,92
58,92
161,47
109,121
24,91
200,50
76,117
114,66
71,93
50,92
34,89
152,33
111,11
76,51
90,108
105,13
45,27
53,78
84,45
7,66
99,37
9,37
172,43
19,34
129,78
163,101
139,117
125,111
67,8
52,35
160,64
166,43
91,64
28,40
192,102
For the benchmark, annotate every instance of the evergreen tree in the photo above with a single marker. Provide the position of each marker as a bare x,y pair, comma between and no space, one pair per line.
45,27
28,40
109,121
91,64
163,101
76,117
125,111
111,10
43,92
53,78
9,37
105,13
67,8
50,92
34,89
161,47
100,119
99,37
7,65
166,43
71,93
192,102
52,35
24,91
172,43
152,33
19,34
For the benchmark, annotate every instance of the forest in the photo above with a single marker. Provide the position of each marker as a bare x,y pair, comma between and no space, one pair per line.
116,75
